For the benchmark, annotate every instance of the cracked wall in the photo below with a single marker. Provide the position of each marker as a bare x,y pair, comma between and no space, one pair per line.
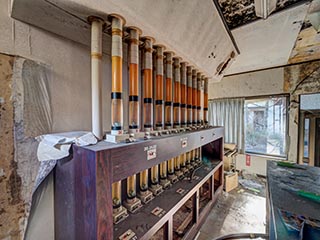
25,113
12,207
299,79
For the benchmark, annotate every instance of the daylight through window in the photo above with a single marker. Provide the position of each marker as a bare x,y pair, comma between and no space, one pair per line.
266,126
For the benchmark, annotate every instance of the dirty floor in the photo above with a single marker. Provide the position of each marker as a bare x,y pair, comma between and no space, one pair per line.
239,211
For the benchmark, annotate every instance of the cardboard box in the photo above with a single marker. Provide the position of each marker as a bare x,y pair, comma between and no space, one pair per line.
230,181
229,163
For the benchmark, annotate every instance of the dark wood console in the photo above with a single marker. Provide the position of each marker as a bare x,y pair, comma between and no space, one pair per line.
83,202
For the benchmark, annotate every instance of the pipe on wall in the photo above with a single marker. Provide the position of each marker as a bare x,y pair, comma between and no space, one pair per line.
159,110
116,94
134,106
96,76
205,101
183,106
194,97
147,85
177,93
168,100
189,96
199,98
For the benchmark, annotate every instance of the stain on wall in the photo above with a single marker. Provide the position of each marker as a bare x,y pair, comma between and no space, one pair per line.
299,79
12,207
307,45
25,112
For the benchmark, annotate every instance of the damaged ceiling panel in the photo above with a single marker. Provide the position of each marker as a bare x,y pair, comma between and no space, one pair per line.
203,41
240,12
268,43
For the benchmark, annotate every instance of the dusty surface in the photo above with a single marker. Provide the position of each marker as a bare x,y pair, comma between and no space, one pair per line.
238,211
24,114
12,207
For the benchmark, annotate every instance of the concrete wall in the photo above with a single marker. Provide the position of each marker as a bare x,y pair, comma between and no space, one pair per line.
66,66
248,84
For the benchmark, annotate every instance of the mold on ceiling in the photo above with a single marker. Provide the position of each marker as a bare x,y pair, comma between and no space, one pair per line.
240,12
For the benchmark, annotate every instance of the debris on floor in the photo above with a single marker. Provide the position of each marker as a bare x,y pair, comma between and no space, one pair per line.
238,211
252,182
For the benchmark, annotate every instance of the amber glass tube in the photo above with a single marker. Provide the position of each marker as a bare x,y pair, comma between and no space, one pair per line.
155,175
116,94
194,97
131,187
193,158
177,163
171,166
188,158
177,93
147,85
159,89
205,102
116,194
189,96
183,106
144,180
198,98
134,80
183,158
163,170
168,100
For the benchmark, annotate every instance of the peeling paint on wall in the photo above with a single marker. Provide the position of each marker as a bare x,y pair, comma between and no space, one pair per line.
25,113
299,79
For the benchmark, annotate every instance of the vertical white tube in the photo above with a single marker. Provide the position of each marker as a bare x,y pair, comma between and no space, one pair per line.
96,81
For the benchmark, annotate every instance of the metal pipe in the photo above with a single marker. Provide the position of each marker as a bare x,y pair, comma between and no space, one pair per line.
205,100
159,114
116,94
96,75
189,96
183,116
134,34
147,85
202,99
194,97
168,100
177,93
198,98
117,22
133,203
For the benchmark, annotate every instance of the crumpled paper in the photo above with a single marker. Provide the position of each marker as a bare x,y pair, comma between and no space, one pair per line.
53,147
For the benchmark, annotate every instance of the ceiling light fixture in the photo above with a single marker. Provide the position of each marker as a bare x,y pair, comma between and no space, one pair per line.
264,8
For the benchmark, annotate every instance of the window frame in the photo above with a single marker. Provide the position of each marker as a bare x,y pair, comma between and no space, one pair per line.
286,139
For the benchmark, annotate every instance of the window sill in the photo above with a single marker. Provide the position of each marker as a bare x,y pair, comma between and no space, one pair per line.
266,156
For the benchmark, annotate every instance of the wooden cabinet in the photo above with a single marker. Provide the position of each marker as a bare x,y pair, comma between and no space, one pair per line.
83,202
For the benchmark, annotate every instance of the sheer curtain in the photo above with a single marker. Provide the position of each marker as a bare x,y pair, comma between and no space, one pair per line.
229,114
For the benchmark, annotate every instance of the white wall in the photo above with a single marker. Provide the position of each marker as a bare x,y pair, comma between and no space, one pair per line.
261,83
70,85
258,164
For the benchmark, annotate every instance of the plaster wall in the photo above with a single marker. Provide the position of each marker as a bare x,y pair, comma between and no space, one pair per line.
257,83
67,68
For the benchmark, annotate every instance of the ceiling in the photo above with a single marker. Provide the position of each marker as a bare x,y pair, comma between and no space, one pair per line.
194,31
240,12
268,43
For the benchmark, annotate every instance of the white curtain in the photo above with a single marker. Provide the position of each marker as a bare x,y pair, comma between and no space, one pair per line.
229,114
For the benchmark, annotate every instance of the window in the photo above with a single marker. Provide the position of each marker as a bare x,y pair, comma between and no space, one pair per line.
306,138
266,126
